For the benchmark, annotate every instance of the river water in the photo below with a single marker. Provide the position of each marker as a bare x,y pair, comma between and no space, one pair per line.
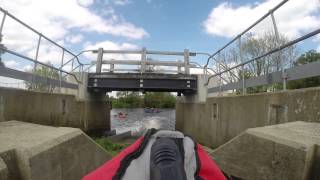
137,120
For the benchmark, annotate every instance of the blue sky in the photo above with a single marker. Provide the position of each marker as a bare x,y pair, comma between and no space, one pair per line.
175,25
172,25
198,25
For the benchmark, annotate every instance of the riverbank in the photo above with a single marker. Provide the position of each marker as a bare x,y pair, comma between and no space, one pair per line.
112,147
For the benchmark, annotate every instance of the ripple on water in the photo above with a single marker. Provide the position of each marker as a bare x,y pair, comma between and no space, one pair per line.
137,121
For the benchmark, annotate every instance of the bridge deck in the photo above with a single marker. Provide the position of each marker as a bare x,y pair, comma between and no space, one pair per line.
182,83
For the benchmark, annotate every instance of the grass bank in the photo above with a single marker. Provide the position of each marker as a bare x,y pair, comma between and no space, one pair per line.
111,147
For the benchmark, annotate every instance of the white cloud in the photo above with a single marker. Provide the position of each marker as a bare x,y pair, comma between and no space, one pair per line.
10,63
57,18
196,71
293,19
75,38
109,45
85,3
121,2
27,68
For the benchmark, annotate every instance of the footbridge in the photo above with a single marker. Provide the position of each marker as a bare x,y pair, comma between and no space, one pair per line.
225,108
149,75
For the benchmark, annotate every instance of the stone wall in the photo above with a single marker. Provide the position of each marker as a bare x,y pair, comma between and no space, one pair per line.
219,119
54,109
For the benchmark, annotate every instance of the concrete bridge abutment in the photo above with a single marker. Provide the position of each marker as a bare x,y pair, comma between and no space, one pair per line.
88,111
97,107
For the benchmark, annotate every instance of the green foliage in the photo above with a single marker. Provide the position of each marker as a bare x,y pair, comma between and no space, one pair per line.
127,100
152,99
159,100
308,57
112,148
47,72
253,46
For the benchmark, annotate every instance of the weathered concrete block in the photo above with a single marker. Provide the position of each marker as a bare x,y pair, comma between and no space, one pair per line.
4,174
220,119
279,152
33,152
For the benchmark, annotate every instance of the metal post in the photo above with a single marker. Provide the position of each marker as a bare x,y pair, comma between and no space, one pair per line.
276,32
244,91
1,27
205,73
220,75
2,22
143,60
81,73
186,61
72,64
219,70
60,77
37,52
99,60
112,67
35,63
179,68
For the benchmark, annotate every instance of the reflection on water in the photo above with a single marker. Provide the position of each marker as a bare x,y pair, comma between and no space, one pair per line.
137,120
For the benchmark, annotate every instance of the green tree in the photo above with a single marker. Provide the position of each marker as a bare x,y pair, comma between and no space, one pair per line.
127,99
253,46
47,72
159,100
308,57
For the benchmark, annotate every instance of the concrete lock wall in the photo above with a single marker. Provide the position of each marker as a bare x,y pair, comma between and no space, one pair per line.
219,119
54,109
35,152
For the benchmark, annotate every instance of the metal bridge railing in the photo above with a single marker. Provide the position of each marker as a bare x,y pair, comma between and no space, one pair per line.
275,77
73,62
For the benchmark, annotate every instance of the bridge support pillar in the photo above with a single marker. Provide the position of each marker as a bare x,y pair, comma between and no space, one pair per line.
202,91
96,111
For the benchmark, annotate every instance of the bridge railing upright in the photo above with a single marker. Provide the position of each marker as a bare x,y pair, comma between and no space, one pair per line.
66,68
242,82
144,62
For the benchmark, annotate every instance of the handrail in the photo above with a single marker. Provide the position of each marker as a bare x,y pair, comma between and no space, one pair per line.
246,30
147,52
290,43
37,32
76,56
44,64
